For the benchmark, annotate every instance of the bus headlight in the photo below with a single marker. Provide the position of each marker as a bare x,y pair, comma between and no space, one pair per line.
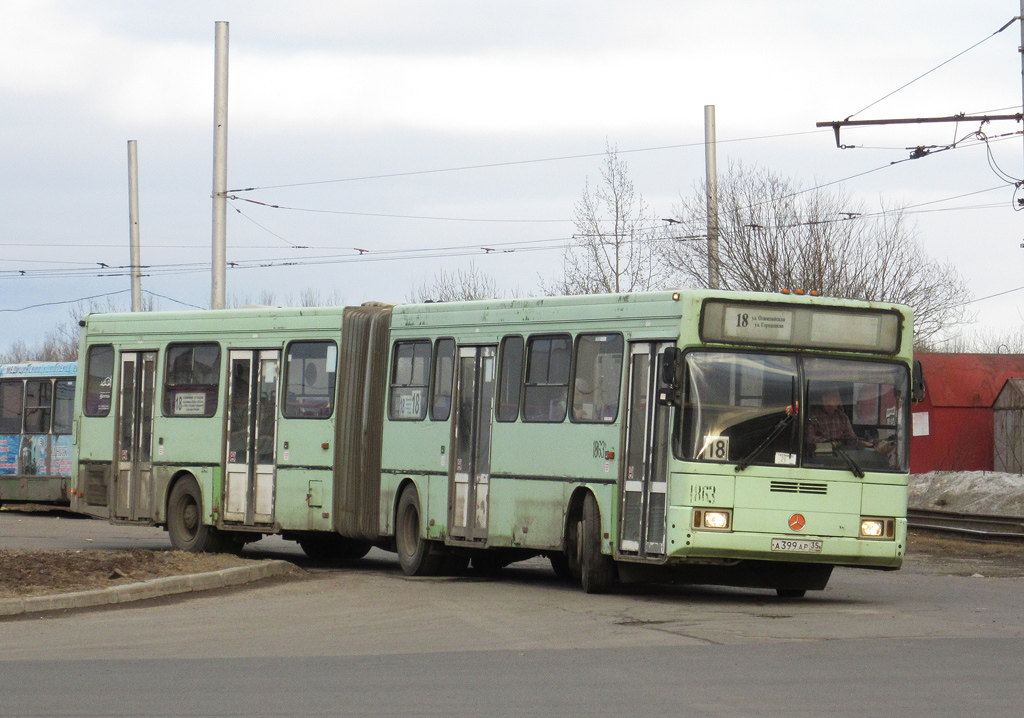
712,519
872,528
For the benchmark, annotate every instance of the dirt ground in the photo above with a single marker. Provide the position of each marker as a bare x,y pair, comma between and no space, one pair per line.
33,573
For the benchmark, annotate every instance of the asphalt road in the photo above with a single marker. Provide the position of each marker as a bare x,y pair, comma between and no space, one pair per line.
936,639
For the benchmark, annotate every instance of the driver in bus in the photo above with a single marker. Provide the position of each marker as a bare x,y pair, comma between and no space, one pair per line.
827,423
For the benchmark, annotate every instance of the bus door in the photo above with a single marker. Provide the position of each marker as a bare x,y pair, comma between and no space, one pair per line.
252,436
643,508
133,482
471,458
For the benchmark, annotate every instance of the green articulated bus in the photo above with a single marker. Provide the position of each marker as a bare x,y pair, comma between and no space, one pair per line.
694,436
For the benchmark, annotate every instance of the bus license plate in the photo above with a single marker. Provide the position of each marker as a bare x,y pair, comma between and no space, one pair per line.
796,545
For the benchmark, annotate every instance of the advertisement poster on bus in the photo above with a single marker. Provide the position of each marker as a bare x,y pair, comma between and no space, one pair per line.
9,448
60,455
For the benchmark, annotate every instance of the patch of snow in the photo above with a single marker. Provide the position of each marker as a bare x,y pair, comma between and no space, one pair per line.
981,493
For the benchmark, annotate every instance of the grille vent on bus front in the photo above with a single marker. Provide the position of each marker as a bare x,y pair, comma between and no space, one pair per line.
799,487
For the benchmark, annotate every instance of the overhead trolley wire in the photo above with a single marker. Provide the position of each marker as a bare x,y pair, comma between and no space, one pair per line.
512,163
942,64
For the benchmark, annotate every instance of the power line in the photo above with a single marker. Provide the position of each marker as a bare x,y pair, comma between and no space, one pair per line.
392,216
512,163
904,86
66,301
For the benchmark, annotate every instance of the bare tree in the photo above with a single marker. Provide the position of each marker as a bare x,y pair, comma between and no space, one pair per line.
265,298
457,286
310,297
613,249
983,340
773,235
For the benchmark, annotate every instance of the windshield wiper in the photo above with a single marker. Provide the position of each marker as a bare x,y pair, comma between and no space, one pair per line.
850,463
772,435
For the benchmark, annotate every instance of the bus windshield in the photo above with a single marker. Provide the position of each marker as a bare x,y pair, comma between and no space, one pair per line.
785,410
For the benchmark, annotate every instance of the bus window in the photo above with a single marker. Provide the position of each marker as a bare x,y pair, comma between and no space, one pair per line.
510,378
855,415
410,371
38,405
99,380
192,380
548,361
11,406
311,371
739,407
444,373
595,393
63,405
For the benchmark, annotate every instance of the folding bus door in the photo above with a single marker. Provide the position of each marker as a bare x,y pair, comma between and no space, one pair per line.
252,437
133,480
643,509
471,458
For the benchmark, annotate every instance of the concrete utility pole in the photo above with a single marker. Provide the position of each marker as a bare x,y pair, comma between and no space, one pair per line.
711,170
133,221
220,168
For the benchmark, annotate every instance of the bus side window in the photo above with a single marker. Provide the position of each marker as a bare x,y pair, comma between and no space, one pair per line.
311,371
38,405
548,361
63,405
410,376
510,378
442,377
99,380
595,394
11,405
192,380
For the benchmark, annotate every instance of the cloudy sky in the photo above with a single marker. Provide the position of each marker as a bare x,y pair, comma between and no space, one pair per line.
423,132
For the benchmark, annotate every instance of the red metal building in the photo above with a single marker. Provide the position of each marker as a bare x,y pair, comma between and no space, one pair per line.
952,427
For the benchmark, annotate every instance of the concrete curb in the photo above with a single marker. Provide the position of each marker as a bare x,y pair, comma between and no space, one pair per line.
154,588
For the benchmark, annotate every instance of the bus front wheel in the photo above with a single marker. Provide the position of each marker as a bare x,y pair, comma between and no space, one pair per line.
414,554
185,520
597,570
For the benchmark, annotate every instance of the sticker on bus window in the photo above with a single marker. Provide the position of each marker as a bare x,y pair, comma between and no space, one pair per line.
716,448
192,403
781,457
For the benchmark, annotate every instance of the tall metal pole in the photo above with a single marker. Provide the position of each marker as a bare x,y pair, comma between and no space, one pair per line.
220,168
711,169
1021,48
133,221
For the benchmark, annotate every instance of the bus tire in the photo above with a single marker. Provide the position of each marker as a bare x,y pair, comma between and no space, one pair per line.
414,552
185,520
332,547
560,565
597,571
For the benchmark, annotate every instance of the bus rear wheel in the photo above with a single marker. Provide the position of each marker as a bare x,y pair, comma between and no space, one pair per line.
185,520
414,552
332,547
597,570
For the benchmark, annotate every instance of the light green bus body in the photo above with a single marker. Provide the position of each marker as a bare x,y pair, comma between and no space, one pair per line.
303,491
575,488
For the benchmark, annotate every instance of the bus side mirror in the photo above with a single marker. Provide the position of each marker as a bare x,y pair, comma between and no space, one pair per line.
917,383
670,373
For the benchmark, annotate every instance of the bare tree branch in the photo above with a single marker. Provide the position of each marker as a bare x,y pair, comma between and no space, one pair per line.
773,236
614,246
